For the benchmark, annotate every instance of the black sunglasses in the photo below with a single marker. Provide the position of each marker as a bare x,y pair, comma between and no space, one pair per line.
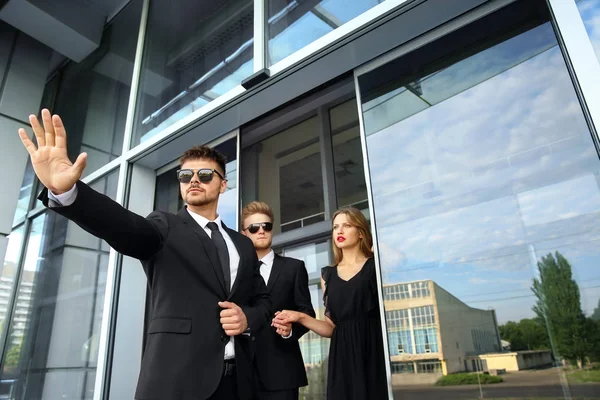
253,228
205,175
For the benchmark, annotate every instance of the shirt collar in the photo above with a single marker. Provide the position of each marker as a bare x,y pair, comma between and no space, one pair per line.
203,221
268,259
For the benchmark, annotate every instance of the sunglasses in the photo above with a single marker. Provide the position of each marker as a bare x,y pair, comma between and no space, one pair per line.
253,228
205,175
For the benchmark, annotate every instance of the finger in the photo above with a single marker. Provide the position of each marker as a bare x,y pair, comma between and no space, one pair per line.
38,131
228,313
60,134
31,149
233,332
231,327
280,326
80,163
230,320
48,127
227,304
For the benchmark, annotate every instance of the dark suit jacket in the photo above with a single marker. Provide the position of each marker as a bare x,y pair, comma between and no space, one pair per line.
185,343
279,361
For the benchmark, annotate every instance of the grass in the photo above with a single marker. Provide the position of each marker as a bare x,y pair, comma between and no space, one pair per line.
467,379
584,376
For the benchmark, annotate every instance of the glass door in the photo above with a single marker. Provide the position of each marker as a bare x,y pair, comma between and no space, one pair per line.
485,186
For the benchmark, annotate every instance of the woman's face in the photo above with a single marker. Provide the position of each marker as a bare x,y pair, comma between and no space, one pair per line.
345,235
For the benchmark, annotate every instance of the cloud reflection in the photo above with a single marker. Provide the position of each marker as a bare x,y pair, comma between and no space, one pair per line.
474,189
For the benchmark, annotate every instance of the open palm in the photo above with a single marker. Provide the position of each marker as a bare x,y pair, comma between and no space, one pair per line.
49,159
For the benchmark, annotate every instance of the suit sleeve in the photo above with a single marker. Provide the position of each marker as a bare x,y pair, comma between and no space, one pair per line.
125,231
301,299
259,312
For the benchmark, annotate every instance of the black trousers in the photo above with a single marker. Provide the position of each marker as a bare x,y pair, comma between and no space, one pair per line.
262,393
228,388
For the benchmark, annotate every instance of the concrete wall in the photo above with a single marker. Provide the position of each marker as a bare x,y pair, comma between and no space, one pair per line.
24,66
457,322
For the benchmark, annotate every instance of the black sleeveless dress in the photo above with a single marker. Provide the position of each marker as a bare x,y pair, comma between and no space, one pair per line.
356,359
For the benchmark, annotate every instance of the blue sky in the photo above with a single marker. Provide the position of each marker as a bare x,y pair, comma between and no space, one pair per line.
501,170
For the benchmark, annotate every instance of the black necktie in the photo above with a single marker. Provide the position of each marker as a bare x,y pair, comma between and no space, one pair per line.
222,251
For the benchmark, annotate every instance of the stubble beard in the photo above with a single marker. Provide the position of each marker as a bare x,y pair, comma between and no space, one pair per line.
199,201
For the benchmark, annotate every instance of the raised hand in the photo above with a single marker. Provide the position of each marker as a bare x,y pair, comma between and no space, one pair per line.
50,161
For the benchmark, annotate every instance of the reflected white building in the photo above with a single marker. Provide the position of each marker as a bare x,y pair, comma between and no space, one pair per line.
432,331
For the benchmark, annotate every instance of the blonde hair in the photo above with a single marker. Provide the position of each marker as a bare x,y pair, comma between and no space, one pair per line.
257,207
358,220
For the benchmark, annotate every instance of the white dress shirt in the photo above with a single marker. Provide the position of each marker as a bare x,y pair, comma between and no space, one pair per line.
67,198
266,266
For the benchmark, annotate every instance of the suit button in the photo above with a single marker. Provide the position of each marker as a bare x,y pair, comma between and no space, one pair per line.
253,338
224,338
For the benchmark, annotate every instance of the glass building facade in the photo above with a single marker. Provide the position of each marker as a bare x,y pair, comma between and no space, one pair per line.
466,132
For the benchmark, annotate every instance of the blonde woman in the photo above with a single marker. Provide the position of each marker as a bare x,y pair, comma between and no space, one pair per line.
356,359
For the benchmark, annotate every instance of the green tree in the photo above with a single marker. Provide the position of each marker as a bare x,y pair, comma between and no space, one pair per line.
596,314
317,382
527,334
559,307
12,357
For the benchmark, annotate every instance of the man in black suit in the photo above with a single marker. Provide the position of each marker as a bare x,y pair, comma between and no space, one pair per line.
207,296
279,368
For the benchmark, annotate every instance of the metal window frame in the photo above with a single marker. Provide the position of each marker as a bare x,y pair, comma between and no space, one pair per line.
580,58
260,36
337,34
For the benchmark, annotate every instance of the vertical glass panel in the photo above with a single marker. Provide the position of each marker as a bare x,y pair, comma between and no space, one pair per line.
487,205
315,256
314,348
93,95
8,277
288,176
294,24
54,329
347,156
590,13
195,52
25,193
168,197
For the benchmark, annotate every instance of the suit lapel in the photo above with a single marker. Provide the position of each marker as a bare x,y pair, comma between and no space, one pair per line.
278,263
208,244
236,241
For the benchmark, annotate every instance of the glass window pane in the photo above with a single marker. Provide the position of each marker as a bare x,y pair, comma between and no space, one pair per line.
347,156
287,168
168,198
294,24
8,275
93,95
590,13
54,331
194,53
487,199
25,193
315,256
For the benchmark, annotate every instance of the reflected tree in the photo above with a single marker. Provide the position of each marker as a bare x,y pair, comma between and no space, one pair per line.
558,306
527,334
317,382
596,314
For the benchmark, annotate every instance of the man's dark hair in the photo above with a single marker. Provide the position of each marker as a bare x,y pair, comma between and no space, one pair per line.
205,152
